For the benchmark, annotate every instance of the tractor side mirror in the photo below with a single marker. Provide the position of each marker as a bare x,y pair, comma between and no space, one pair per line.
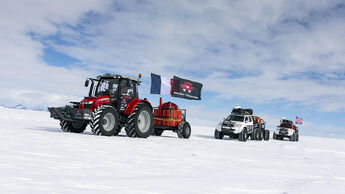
86,83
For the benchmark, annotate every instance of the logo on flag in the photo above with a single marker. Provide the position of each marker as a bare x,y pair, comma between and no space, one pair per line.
187,86
160,85
299,120
183,88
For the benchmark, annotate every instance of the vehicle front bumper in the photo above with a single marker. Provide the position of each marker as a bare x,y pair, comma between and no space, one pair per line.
69,113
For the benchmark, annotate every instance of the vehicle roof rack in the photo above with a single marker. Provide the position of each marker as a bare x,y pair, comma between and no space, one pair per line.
117,76
242,111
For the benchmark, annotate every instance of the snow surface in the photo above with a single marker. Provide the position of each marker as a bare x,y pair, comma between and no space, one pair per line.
37,157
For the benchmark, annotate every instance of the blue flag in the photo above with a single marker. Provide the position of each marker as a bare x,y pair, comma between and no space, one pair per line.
160,85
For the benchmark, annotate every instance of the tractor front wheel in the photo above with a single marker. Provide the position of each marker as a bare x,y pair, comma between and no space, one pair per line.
74,127
140,122
105,121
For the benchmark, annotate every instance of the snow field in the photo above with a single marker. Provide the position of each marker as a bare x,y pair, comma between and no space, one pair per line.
37,157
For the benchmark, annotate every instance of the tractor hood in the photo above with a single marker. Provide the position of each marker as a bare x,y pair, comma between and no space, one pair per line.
93,102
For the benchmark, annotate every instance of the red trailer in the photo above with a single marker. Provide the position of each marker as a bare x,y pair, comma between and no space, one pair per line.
167,116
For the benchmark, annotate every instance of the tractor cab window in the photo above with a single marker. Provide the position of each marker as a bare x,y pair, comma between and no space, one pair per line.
127,88
107,87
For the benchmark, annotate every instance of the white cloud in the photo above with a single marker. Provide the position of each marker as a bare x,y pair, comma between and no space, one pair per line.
257,51
24,76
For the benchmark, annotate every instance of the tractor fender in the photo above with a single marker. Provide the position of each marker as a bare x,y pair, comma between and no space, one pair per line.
132,105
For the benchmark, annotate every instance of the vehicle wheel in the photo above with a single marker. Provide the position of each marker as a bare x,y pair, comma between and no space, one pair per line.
157,132
243,136
184,130
74,127
260,134
274,135
292,137
218,134
105,121
297,137
140,122
252,135
267,135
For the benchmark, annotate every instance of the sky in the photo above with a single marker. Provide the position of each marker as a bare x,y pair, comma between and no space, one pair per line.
281,58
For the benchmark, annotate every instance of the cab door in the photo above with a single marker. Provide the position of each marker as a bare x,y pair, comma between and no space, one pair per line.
127,92
250,124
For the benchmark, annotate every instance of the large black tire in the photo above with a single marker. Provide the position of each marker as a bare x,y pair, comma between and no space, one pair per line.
157,132
243,136
218,134
259,134
292,137
297,137
274,135
267,135
140,122
252,136
73,127
105,121
184,130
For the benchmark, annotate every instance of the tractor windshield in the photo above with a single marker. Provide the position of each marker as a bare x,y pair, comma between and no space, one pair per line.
235,118
106,87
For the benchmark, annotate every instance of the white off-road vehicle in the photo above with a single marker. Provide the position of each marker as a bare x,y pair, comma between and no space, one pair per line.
241,124
287,129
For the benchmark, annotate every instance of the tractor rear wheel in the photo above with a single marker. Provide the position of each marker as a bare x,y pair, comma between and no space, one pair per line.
184,130
105,121
74,127
140,122
218,134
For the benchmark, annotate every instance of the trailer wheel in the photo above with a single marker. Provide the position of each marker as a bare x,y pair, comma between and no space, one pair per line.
243,136
184,130
105,121
140,122
267,135
218,134
73,127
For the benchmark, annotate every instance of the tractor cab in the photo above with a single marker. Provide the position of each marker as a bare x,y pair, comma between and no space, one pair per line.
110,89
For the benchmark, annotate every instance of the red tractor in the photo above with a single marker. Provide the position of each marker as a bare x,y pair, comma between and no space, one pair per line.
168,116
113,103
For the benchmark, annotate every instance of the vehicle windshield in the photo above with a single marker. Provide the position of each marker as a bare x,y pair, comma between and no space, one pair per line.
235,118
106,87
286,125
